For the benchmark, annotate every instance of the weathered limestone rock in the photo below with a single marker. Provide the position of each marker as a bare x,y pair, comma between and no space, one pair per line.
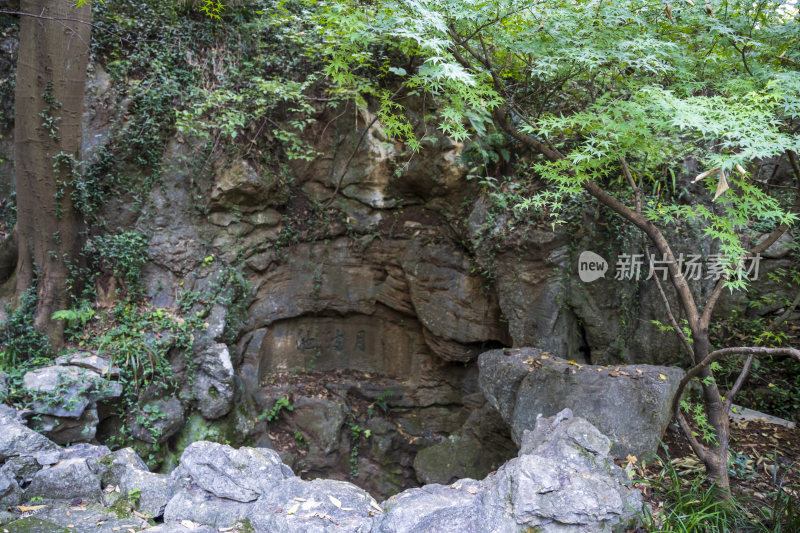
18,440
187,526
63,430
174,245
98,363
322,505
456,508
243,186
60,517
157,420
22,468
369,175
10,492
201,507
563,481
564,476
321,420
481,445
631,404
240,475
213,382
113,466
67,479
450,302
123,474
66,391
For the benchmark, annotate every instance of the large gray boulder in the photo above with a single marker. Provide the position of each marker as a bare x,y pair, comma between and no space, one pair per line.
67,479
456,508
66,391
16,439
564,481
124,475
629,403
318,506
198,506
241,475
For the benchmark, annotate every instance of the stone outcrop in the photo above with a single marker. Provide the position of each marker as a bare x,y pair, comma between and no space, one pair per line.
480,445
563,480
66,395
629,403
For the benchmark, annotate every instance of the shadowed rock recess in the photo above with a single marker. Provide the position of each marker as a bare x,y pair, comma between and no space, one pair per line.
563,480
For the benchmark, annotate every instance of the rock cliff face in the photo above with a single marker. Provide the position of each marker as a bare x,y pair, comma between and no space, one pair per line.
396,269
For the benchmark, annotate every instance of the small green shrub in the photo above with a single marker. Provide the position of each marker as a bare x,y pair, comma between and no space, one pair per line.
125,253
274,412
356,432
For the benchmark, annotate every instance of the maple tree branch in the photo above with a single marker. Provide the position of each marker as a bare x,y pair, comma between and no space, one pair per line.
739,382
705,319
724,352
699,450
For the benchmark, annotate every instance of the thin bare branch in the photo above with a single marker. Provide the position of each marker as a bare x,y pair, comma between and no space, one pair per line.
724,352
637,193
79,21
673,322
699,450
786,314
711,301
739,382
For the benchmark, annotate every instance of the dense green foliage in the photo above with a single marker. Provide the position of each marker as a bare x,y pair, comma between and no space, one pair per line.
600,81
19,340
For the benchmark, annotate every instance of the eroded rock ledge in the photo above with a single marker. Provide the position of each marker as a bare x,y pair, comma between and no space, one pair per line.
563,480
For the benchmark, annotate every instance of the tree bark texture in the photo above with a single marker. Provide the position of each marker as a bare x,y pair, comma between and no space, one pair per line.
49,101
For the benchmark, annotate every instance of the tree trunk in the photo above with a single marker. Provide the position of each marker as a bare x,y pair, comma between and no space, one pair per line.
51,79
716,461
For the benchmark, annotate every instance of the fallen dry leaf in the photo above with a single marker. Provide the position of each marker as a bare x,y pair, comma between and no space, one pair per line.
335,501
29,508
